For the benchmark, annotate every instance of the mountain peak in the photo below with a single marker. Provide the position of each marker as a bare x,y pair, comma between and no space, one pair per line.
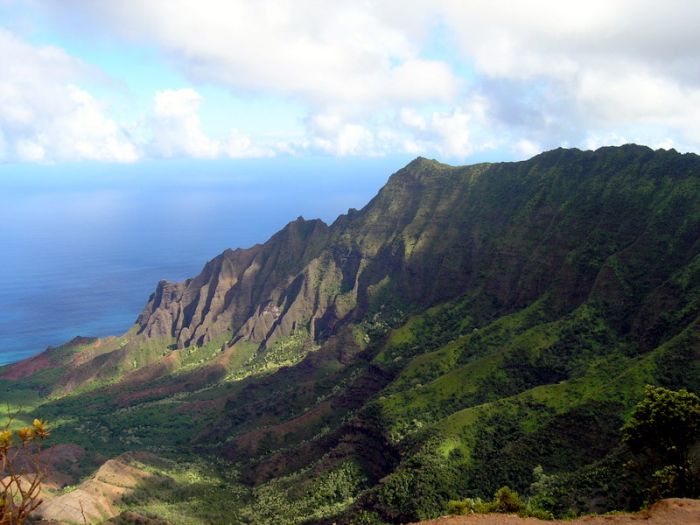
418,169
423,163
458,304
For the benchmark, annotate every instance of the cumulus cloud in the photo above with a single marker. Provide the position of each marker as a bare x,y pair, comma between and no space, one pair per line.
452,134
528,148
343,55
330,133
176,125
238,145
564,71
443,77
44,116
177,131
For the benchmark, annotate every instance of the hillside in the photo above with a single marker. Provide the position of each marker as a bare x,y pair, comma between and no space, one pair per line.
665,512
465,326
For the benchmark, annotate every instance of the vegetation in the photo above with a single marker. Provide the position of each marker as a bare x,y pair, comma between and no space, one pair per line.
21,471
472,328
661,433
504,501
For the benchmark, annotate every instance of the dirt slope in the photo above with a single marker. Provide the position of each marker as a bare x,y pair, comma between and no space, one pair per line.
95,499
666,512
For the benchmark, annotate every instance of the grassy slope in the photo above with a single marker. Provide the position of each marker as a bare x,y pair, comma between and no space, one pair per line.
462,397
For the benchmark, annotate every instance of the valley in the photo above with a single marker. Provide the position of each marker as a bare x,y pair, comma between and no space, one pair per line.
469,328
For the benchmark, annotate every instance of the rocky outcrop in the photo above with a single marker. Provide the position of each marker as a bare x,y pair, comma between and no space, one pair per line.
236,289
615,230
563,223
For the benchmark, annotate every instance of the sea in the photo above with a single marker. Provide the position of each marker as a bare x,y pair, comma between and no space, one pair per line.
84,245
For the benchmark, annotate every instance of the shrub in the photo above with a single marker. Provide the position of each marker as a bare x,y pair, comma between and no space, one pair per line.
466,506
504,501
542,490
21,471
507,501
364,517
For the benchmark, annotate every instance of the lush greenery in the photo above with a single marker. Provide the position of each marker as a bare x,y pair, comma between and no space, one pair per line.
471,329
661,433
504,501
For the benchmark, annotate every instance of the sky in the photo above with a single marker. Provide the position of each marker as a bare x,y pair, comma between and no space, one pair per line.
132,81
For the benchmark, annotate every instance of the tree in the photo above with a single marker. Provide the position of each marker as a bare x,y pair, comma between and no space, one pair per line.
661,434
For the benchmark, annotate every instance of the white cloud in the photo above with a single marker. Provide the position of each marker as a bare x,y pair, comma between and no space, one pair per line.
177,130
29,150
238,145
176,125
557,39
454,134
44,116
411,118
343,55
562,71
444,77
332,135
86,133
528,148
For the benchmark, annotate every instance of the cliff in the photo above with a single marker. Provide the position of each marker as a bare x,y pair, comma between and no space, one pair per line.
467,325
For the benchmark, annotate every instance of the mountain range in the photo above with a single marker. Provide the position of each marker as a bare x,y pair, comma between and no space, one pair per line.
469,328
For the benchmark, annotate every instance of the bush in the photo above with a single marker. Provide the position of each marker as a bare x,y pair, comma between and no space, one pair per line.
466,506
507,501
542,490
364,517
21,471
504,501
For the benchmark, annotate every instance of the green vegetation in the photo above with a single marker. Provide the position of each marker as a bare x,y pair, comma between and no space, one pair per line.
504,501
661,433
471,329
286,351
188,493
22,470
197,491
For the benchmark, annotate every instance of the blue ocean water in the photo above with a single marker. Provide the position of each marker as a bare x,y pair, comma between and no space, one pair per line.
84,246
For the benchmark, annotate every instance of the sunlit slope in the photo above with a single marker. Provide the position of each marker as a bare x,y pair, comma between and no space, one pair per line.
465,326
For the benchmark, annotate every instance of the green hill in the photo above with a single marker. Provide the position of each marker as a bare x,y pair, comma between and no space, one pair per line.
466,326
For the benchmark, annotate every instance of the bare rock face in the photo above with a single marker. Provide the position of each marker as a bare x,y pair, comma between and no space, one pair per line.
239,287
310,275
568,224
616,230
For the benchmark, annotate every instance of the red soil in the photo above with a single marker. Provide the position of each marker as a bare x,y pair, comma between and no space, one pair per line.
28,367
674,511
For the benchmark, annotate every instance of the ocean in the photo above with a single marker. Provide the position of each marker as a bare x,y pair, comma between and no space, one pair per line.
83,246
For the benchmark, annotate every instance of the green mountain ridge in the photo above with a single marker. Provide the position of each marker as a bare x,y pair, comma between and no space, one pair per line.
467,325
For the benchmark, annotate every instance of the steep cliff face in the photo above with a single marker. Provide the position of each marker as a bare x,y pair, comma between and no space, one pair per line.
467,325
309,274
560,223
240,290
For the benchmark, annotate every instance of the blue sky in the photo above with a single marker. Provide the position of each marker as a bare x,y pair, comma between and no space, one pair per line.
128,81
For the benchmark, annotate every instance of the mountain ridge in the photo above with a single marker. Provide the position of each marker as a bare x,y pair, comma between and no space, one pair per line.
409,180
466,325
